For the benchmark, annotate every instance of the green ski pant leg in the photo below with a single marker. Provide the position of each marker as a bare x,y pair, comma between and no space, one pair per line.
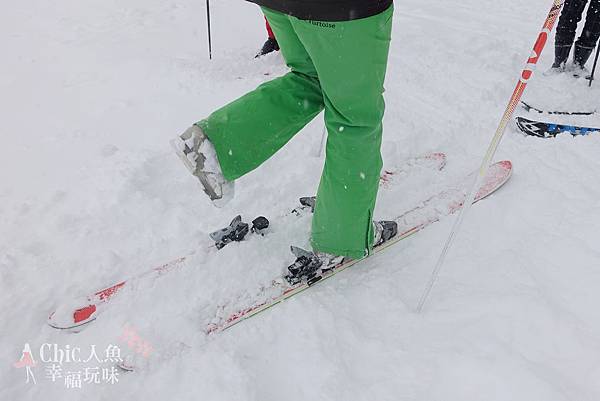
350,59
249,130
340,66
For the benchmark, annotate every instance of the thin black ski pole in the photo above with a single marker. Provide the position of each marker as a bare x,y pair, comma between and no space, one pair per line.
208,22
595,64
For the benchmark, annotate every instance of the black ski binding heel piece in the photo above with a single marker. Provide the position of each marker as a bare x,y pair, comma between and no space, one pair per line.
389,231
236,231
306,202
309,201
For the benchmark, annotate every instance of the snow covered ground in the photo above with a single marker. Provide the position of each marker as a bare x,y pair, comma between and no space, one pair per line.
90,193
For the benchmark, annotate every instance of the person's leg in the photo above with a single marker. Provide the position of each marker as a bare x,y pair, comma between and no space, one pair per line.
271,44
351,60
589,37
252,128
566,30
269,30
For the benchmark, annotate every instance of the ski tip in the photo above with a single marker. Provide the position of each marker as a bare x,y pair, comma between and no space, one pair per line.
498,174
68,319
506,164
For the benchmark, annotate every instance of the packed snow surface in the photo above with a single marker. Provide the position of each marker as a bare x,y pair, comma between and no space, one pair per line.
91,193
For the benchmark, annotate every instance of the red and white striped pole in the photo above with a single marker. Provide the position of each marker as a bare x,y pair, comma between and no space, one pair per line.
487,160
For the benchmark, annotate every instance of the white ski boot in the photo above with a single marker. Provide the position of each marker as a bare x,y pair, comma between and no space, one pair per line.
554,71
199,156
579,71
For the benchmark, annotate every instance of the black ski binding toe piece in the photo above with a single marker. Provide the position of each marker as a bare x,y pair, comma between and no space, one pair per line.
236,231
390,230
306,267
260,225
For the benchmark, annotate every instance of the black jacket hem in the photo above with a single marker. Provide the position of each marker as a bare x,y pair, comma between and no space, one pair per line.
327,10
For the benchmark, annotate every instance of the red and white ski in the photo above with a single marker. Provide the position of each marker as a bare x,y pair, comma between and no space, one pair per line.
84,310
414,220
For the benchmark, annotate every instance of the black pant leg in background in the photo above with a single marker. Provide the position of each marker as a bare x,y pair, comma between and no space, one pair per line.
567,24
591,30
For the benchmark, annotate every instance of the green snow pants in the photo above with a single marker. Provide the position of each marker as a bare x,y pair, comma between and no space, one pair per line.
336,66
